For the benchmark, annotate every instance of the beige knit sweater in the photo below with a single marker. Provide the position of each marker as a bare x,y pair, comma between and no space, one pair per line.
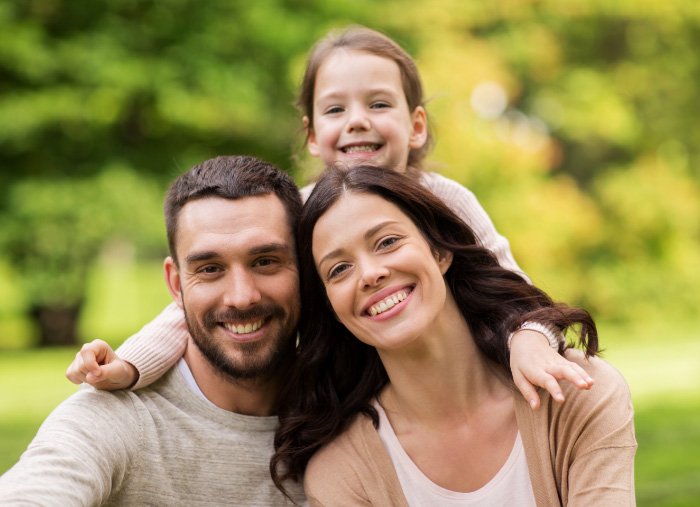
580,453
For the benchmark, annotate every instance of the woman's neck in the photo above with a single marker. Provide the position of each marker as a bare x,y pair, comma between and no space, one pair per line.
443,377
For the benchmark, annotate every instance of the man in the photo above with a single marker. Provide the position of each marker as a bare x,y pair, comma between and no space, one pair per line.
201,435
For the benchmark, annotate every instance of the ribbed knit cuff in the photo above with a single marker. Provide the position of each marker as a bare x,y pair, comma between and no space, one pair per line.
554,337
157,346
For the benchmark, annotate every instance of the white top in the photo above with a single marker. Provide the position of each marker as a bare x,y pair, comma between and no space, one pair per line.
510,486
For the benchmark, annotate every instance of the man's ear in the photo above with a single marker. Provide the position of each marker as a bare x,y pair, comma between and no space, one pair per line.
311,144
419,128
172,280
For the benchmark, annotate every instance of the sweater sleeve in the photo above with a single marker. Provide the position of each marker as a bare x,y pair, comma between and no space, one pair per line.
601,462
80,456
157,346
465,205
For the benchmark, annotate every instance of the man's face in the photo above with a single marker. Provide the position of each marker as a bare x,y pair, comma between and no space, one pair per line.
238,283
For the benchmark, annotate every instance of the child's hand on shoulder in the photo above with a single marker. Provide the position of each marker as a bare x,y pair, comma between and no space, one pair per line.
534,363
98,365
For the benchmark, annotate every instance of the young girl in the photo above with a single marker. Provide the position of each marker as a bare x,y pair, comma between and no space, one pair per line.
362,102
401,395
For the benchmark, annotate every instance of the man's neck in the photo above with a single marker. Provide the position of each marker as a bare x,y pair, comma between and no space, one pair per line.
254,397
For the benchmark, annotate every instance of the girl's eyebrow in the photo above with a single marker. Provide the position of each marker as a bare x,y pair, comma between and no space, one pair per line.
340,93
368,234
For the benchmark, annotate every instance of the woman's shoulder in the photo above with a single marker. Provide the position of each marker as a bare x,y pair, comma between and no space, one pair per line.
608,379
602,415
342,452
353,469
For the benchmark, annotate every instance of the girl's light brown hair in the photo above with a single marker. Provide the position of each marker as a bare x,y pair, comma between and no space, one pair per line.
360,38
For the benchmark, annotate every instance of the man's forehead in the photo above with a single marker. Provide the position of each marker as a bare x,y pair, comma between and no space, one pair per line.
256,220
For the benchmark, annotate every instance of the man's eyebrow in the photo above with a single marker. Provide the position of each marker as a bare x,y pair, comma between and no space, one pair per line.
200,256
269,248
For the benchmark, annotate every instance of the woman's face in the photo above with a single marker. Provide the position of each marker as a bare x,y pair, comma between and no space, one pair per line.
383,281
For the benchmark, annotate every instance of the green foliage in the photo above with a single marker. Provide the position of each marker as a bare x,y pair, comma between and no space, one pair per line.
58,227
590,168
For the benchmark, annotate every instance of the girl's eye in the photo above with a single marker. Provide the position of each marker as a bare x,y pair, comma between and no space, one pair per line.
337,270
380,105
333,110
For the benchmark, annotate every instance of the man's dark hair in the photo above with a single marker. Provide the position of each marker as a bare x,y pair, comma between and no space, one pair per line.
229,177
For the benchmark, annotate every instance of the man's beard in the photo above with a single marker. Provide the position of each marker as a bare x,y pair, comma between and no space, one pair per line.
259,359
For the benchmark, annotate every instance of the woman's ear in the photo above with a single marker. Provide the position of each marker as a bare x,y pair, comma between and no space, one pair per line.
444,259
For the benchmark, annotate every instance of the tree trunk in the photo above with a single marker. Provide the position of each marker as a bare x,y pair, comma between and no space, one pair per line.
58,325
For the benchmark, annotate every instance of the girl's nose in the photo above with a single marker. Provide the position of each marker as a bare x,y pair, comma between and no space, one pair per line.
358,120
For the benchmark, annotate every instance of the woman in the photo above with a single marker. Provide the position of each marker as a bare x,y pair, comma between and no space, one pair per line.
404,388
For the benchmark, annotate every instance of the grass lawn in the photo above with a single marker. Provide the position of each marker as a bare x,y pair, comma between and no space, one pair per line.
664,379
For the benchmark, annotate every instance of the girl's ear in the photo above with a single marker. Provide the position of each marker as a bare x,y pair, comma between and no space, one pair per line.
311,144
419,128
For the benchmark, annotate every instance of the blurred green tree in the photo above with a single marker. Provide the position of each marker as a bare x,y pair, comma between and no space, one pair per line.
57,229
149,86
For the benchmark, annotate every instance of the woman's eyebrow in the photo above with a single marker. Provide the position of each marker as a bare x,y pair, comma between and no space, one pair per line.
368,234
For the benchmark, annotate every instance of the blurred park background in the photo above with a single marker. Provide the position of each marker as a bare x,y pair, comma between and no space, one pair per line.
575,122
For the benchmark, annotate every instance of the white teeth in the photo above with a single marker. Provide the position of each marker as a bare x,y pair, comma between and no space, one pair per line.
250,327
361,148
387,303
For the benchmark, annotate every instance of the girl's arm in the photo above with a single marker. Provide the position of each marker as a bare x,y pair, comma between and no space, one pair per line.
141,359
534,360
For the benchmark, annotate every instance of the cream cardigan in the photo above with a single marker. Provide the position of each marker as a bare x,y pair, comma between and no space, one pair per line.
580,453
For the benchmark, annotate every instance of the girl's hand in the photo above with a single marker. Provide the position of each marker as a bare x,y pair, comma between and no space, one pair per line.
98,365
533,363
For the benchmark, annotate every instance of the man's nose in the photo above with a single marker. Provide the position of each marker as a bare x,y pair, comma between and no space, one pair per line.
242,291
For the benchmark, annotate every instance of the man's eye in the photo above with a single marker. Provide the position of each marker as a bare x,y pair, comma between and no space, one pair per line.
265,262
208,270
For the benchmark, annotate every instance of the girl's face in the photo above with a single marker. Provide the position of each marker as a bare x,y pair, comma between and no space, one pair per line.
383,280
361,114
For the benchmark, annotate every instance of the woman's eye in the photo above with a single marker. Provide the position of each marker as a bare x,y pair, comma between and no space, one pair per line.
387,242
337,271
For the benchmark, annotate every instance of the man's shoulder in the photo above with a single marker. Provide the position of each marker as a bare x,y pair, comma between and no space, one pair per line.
93,408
